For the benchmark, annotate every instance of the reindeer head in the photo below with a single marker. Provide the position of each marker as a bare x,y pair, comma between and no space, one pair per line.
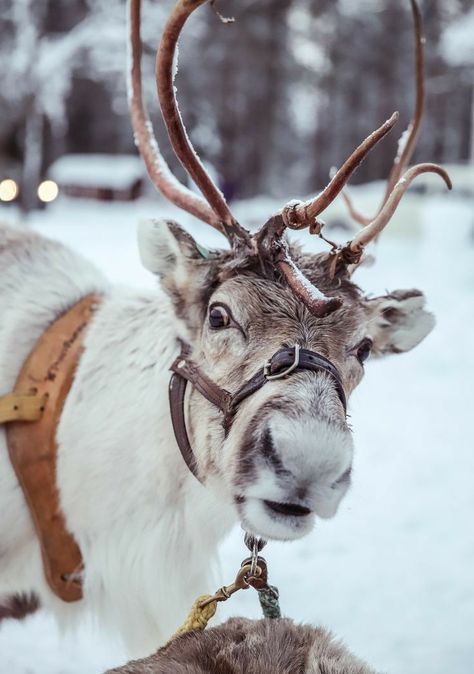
283,452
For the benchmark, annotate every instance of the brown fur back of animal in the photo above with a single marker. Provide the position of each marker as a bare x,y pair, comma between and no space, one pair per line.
18,606
242,646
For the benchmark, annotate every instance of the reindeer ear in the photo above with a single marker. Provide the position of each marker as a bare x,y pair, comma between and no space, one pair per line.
168,251
165,246
399,321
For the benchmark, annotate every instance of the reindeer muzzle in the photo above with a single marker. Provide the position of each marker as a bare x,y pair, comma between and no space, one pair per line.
281,365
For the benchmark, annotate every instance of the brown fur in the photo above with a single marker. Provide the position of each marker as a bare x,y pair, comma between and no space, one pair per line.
19,606
242,646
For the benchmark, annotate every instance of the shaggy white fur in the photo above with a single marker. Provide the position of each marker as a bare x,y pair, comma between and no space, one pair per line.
147,529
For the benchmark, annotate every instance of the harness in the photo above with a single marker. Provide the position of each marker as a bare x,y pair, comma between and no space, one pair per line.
33,411
32,414
282,364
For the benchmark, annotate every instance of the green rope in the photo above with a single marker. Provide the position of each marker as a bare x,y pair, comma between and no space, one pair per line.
268,597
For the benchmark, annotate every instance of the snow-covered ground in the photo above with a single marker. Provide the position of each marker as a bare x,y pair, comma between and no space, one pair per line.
393,573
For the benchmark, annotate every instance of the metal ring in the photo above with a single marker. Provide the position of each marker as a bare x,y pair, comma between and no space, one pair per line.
249,541
255,545
280,375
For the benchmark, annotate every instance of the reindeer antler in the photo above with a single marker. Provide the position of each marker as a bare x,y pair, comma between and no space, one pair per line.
215,211
352,251
407,141
268,243
158,169
174,123
301,215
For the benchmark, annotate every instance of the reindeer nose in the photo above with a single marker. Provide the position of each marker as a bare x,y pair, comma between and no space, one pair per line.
288,509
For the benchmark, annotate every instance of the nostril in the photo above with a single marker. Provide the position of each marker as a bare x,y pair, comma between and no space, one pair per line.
344,480
292,509
268,448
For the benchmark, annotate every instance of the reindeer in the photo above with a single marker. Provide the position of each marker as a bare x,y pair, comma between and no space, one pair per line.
270,445
241,646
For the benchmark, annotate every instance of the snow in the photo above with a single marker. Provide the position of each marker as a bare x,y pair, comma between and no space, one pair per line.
458,40
392,574
402,142
97,170
314,292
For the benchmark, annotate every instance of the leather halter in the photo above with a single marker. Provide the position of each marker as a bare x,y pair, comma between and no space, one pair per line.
282,364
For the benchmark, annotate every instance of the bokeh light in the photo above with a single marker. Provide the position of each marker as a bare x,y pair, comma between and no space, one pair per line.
8,190
47,191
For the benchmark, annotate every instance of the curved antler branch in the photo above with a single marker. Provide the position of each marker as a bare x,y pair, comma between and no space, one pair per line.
174,123
157,168
299,215
352,251
305,213
353,212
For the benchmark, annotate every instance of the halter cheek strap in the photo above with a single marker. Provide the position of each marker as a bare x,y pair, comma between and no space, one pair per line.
282,364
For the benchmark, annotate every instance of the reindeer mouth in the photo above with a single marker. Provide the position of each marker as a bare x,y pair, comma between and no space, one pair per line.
287,509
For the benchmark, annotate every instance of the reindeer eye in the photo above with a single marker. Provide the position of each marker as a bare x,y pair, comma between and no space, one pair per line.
218,317
364,349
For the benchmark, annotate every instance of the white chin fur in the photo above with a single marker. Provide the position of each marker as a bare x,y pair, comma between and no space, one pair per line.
311,458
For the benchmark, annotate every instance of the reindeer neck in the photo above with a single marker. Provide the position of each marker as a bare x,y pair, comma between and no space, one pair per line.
124,375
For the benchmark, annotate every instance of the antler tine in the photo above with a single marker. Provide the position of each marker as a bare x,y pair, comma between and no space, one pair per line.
407,142
352,251
319,304
310,209
353,212
174,123
299,215
157,168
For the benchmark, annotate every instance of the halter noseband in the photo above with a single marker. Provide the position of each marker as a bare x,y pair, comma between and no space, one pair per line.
283,363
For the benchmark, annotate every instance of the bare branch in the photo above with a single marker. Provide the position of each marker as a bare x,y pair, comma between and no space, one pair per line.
157,168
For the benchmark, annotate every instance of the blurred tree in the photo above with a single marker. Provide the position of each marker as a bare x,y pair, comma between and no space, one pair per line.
458,48
271,102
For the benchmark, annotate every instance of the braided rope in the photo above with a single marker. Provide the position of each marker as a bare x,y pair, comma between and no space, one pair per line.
198,617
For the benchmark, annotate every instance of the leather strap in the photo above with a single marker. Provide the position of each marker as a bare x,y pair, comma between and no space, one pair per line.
187,369
282,364
177,391
14,407
281,361
47,375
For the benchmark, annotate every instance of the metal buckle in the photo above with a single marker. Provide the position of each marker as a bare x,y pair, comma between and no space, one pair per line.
280,375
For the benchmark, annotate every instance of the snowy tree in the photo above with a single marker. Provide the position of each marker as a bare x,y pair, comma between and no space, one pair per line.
38,78
458,46
271,101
